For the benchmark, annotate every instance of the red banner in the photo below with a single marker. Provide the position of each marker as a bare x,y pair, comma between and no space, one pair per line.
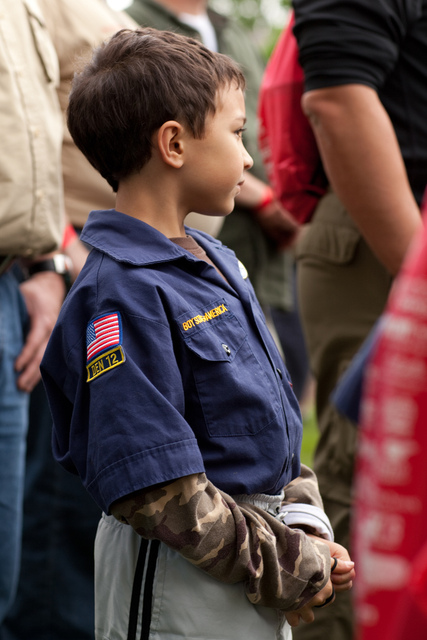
390,525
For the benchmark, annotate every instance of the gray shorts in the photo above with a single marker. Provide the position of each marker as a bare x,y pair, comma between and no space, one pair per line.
146,591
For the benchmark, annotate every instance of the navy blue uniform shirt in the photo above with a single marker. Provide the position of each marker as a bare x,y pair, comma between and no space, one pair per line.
159,368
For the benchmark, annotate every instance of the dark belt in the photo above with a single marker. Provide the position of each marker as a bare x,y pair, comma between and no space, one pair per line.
6,262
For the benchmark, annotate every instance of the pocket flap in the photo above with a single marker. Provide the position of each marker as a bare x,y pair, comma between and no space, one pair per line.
329,242
43,42
212,332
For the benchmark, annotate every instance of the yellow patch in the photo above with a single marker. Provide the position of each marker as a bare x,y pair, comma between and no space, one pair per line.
213,313
105,362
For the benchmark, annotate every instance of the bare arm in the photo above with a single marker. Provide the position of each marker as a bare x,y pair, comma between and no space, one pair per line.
273,219
78,253
43,294
363,162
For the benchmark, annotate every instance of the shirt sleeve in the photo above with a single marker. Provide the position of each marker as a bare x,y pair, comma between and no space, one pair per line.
281,567
351,42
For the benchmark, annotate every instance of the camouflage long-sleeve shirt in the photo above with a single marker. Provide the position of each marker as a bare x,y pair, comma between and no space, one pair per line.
234,541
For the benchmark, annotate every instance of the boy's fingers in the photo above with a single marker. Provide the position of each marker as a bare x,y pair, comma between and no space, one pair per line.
342,566
342,574
292,618
328,600
339,588
342,578
305,613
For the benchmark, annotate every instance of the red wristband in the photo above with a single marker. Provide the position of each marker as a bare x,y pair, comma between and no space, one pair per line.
69,236
267,198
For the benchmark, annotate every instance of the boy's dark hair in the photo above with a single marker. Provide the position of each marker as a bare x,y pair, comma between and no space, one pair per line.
134,83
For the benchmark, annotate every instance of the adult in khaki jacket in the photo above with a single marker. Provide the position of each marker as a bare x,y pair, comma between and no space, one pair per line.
30,227
55,593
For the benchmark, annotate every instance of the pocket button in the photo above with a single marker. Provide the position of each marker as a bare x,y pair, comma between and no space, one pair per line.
226,349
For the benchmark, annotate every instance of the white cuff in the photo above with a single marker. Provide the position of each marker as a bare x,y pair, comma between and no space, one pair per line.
306,514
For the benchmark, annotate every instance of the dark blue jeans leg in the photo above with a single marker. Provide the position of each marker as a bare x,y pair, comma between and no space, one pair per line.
289,329
13,429
55,599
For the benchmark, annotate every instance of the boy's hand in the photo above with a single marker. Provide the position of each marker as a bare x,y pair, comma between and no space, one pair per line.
275,222
43,294
278,224
342,576
342,571
322,599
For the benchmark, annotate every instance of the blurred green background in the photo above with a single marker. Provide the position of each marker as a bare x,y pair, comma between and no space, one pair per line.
310,436
265,19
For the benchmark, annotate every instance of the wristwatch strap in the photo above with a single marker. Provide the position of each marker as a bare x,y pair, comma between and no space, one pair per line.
59,263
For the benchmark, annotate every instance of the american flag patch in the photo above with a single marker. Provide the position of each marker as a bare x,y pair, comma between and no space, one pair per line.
103,333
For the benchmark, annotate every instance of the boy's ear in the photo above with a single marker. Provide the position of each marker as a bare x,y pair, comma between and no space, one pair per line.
170,143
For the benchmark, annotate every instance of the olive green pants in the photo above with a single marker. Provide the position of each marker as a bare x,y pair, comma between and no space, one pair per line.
342,291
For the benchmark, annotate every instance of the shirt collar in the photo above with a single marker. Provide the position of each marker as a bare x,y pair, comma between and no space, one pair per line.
127,239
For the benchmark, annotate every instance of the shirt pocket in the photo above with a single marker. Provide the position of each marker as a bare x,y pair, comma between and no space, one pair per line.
327,243
43,42
331,237
235,391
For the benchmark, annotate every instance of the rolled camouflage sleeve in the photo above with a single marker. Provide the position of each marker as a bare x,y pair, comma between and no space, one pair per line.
281,567
302,506
304,489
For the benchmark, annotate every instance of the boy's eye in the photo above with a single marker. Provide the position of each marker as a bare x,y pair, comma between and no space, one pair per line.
239,132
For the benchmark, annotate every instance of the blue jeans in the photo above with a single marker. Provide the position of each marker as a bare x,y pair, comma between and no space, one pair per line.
291,336
55,597
13,431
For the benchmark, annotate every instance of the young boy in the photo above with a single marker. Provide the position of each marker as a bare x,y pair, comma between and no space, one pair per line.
168,395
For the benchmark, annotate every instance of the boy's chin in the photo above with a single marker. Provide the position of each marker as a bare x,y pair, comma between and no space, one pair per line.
210,223
217,214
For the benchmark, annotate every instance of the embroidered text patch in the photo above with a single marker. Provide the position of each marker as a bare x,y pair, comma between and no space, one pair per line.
212,313
104,363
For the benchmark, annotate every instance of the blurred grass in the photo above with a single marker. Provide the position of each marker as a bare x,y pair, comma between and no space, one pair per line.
309,437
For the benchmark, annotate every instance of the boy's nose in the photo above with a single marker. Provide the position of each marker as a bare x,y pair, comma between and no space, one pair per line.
247,160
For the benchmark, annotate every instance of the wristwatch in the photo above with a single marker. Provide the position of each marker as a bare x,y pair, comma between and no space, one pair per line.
59,263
